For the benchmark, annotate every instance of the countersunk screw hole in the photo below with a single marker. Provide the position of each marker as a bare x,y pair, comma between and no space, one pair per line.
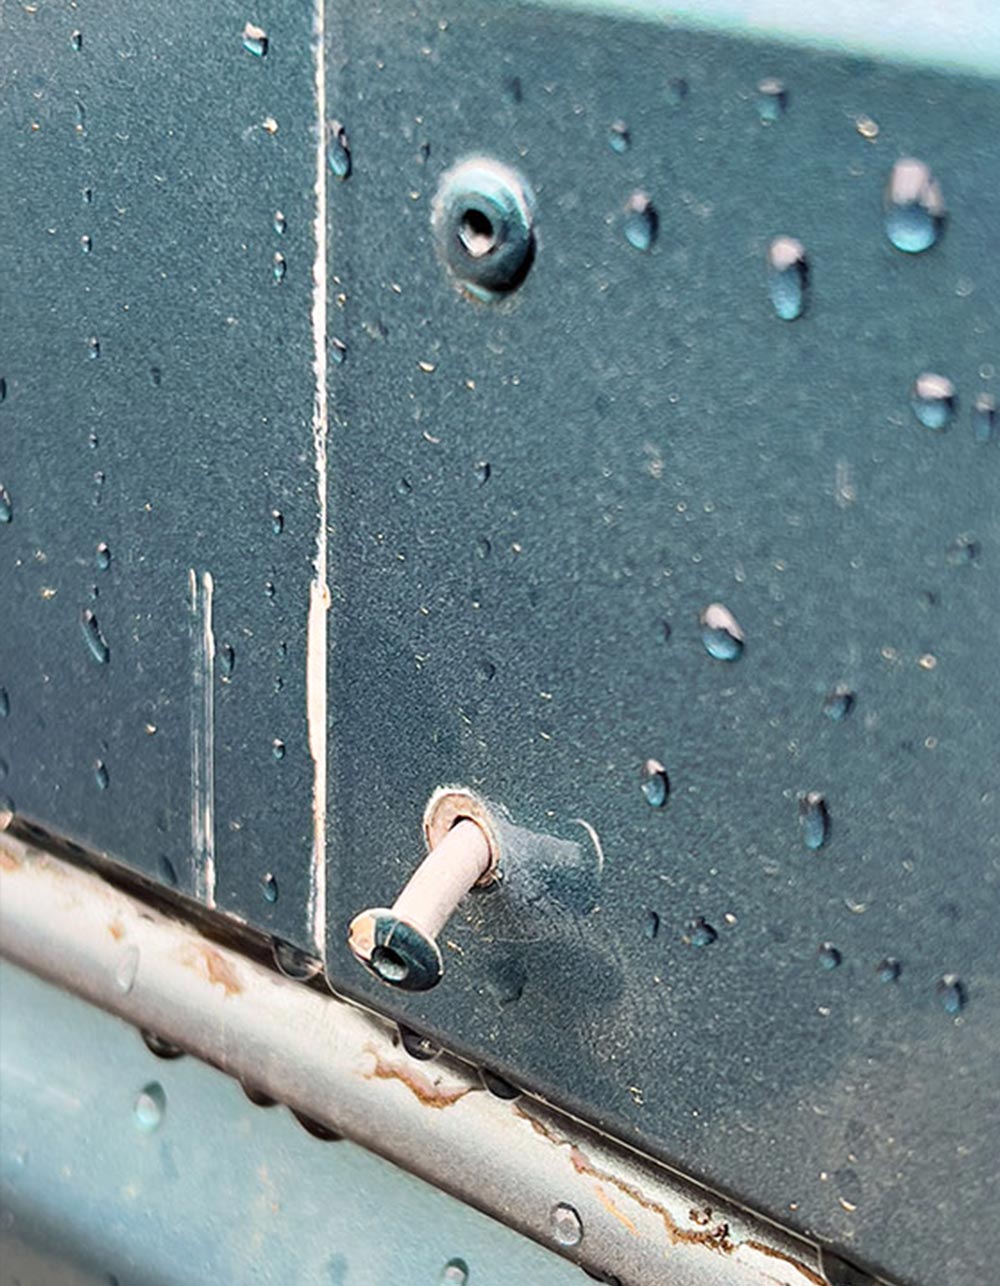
477,233
389,964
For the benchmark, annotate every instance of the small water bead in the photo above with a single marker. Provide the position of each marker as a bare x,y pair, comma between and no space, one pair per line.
951,992
279,223
454,1273
338,151
483,547
772,99
618,137
720,633
984,418
838,704
81,119
787,277
338,351
963,551
641,222
486,670
933,400
97,644
76,40
422,1048
269,887
914,207
566,1224
93,348
101,774
4,769
6,505
159,1046
483,472
86,243
677,91
828,955
167,872
3,389
814,818
700,933
279,266
655,783
103,557
277,521
227,660
255,40
888,969
127,969
150,1106
4,703
651,925
278,748
270,589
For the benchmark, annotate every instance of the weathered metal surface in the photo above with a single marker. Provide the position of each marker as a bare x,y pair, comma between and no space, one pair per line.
511,1156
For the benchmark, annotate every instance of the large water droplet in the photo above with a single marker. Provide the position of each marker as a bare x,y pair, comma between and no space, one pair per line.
149,1107
641,221
655,783
933,400
951,992
419,1047
618,137
700,933
6,505
772,99
984,418
97,644
787,277
455,1273
566,1224
838,704
159,1046
828,955
255,40
888,969
101,774
338,150
103,557
914,208
814,818
720,633
126,969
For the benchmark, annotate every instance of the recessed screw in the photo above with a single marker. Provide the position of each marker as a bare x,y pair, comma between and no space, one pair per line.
398,944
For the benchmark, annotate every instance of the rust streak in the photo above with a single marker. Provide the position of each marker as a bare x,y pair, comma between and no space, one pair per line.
213,966
116,930
613,1210
797,1264
428,1094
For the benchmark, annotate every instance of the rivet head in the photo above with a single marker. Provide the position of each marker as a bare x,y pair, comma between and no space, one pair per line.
483,221
566,1224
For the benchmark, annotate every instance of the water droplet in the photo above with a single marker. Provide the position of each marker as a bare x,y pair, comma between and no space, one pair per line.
155,376
76,40
655,783
497,1086
93,348
278,748
338,151
269,887
700,933
814,818
6,505
454,1273
618,137
420,1047
86,243
126,969
984,418
270,589
279,266
293,963
838,704
677,90
101,774
567,1227
828,955
338,351
279,223
255,40
888,969
316,1128
96,643
720,633
159,1046
404,487
486,670
483,547
167,872
81,119
103,557
87,194
914,208
4,703
227,660
641,221
651,925
3,390
933,400
772,99
4,768
149,1107
483,472
787,277
277,521
513,90
951,991
963,551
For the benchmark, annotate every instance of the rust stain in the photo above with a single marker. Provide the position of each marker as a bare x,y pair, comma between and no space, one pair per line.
116,930
613,1210
797,1264
213,966
428,1094
8,862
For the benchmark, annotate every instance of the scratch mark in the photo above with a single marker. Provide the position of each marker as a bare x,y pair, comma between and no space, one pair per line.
203,736
595,839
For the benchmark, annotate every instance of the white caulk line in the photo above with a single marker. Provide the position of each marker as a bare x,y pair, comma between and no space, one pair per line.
319,593
203,736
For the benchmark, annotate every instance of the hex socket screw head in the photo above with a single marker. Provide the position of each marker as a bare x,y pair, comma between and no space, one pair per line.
398,944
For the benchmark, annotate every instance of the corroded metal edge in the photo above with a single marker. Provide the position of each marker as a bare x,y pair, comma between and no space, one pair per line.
514,1159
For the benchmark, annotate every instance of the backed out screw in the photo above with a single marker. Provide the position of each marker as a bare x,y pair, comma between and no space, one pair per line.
398,944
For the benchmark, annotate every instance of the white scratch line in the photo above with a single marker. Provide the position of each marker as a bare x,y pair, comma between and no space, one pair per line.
319,593
596,842
203,736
